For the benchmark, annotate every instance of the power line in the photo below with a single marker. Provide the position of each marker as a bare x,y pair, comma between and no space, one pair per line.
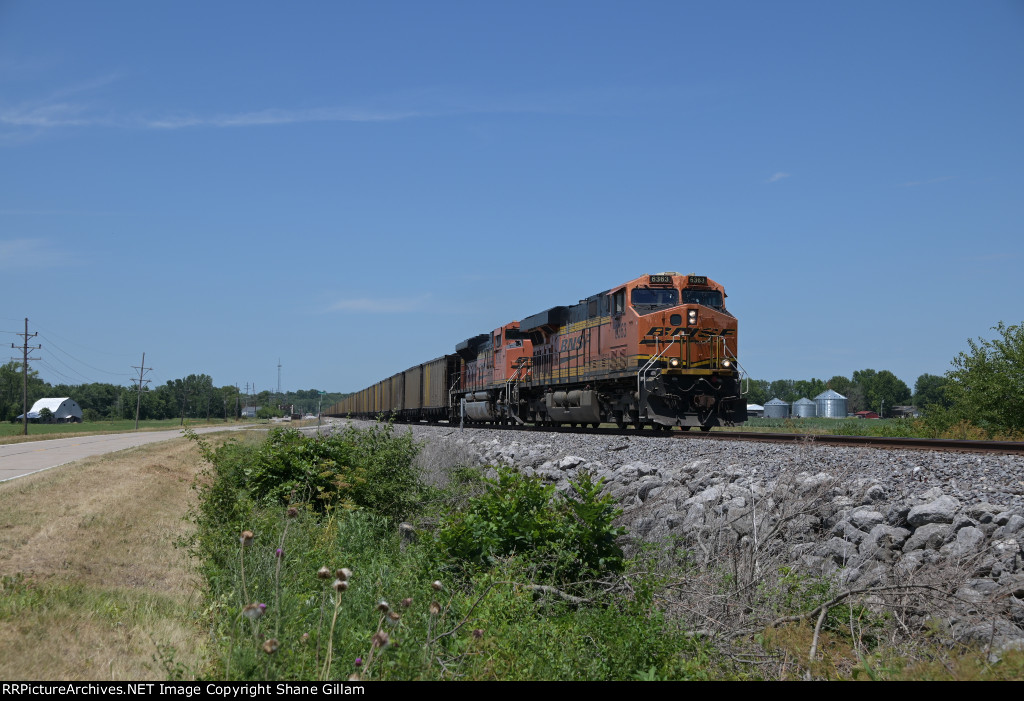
44,364
53,357
78,360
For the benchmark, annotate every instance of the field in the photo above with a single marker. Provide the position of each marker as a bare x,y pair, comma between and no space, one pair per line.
91,584
835,427
11,433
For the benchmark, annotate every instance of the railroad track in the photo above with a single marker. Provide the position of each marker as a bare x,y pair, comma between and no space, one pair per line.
934,444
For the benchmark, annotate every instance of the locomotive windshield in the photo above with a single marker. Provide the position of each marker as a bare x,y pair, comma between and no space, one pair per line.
706,298
647,300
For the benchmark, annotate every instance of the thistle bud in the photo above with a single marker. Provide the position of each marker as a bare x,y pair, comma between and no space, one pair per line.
435,608
246,538
254,611
380,639
323,573
271,646
436,585
407,602
383,606
343,573
340,585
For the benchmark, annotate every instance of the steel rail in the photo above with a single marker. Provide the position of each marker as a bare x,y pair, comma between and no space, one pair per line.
876,442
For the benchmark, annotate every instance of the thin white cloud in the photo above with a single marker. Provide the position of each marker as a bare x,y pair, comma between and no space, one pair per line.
272,117
376,305
57,110
61,108
20,254
777,177
916,183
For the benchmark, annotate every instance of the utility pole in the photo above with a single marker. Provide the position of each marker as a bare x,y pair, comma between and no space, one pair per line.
25,348
138,403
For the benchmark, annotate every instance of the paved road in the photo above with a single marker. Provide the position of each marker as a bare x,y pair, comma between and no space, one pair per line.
20,459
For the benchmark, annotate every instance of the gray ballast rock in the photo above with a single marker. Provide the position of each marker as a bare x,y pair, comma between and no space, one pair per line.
869,517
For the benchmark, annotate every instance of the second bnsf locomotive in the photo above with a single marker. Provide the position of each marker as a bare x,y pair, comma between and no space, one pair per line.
660,350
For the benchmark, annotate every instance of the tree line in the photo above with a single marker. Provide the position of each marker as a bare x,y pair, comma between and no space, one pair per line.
865,390
191,397
983,389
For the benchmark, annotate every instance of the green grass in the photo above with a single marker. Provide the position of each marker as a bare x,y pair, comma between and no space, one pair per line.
113,426
882,428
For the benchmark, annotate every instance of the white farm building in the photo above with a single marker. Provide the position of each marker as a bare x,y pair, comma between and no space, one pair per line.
62,409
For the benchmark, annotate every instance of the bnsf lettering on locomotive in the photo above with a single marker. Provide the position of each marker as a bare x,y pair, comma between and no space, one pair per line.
661,331
571,344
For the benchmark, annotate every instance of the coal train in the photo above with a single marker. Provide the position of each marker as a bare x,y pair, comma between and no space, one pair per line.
659,351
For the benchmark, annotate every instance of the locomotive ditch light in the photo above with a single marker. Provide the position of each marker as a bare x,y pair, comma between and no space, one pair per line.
674,362
726,363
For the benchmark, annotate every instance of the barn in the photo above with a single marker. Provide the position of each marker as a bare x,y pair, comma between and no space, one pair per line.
63,410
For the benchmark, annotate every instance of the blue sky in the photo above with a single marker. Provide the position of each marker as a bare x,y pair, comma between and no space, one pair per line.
355,187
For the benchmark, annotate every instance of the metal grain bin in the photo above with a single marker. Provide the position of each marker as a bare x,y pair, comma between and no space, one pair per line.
804,408
831,405
776,409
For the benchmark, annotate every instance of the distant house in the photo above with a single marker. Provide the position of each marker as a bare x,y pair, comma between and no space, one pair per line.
755,411
249,412
63,410
866,415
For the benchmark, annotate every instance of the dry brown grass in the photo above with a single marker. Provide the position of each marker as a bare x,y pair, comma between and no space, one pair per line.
92,581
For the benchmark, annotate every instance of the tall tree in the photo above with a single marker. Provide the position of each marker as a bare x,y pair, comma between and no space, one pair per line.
986,385
840,384
758,392
930,390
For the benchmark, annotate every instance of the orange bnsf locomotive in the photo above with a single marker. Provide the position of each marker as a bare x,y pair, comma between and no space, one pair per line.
659,351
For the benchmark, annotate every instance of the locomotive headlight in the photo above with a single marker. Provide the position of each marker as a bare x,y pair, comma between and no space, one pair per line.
691,317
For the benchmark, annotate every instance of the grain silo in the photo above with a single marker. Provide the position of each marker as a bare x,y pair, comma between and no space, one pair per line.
831,405
776,409
804,408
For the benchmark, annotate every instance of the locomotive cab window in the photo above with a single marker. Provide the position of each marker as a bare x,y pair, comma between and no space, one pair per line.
646,301
705,298
619,302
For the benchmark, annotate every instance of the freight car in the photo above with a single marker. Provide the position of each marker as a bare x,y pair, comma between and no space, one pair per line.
660,350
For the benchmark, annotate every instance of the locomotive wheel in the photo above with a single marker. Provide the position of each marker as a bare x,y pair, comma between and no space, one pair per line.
619,421
685,428
705,428
596,424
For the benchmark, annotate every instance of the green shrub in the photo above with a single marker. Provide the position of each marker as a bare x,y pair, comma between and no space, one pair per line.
369,468
572,537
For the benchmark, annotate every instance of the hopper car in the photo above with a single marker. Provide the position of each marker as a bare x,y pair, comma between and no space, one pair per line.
660,351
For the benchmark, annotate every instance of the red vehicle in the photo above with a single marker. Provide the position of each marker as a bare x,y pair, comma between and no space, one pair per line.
660,350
